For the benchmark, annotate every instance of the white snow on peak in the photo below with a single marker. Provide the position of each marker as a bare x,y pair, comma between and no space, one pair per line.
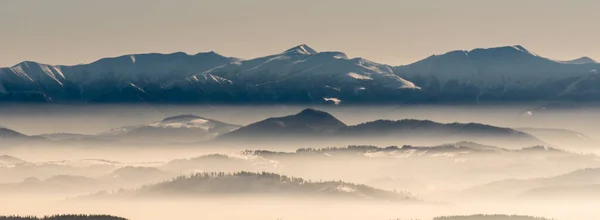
33,71
194,123
302,49
522,49
132,57
358,76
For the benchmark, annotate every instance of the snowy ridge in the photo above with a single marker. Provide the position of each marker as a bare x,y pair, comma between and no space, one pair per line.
303,64
501,69
303,74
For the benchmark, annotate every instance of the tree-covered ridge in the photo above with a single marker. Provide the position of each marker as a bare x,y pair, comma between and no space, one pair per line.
264,184
63,217
466,147
490,217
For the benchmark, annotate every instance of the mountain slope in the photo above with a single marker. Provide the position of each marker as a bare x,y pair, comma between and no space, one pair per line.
308,122
563,138
125,78
303,75
566,185
510,73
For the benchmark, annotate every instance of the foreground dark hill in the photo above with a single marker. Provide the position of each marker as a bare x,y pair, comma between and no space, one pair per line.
63,217
313,125
203,185
304,75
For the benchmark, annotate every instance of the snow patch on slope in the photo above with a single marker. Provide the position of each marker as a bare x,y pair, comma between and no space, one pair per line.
334,100
206,78
195,123
358,76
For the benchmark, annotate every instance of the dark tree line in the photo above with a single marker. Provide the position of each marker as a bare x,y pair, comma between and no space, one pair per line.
63,217
490,217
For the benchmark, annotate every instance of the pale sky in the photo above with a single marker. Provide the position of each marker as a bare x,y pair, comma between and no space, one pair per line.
388,31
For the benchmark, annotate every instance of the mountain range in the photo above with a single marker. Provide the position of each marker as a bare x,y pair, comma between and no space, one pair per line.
311,127
303,75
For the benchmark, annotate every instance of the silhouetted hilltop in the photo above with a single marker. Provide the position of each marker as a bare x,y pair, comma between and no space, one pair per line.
260,184
309,122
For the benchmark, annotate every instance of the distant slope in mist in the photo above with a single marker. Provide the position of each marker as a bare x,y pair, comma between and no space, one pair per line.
11,136
124,177
259,184
10,160
584,183
562,138
180,128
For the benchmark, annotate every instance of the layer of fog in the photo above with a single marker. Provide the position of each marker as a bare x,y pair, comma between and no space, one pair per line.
443,181
90,119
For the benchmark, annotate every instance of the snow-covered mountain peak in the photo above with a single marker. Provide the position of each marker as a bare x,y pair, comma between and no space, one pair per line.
184,121
502,51
301,49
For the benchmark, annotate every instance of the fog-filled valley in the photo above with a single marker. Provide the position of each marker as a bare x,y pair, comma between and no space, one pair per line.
461,162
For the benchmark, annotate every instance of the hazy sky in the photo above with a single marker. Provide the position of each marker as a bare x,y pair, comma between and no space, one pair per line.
387,31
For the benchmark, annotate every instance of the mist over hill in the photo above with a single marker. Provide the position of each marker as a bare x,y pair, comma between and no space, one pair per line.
206,185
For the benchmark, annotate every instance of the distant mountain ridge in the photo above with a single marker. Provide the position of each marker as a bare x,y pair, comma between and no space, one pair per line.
314,125
259,184
309,126
180,128
303,75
